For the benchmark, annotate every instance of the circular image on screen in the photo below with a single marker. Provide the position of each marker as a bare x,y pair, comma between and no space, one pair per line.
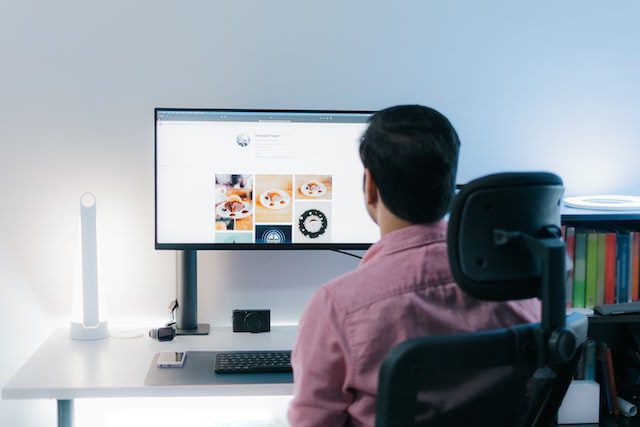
313,189
275,199
312,223
273,235
243,140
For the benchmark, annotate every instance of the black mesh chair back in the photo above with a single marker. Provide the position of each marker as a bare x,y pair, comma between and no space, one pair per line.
504,243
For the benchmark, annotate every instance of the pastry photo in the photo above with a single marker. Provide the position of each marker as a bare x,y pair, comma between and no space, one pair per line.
274,199
314,187
234,207
234,201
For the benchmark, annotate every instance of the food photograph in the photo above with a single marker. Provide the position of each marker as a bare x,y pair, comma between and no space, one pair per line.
313,187
274,198
234,202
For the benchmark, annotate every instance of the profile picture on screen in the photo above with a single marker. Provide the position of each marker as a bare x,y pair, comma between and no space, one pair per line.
234,202
313,187
274,198
243,140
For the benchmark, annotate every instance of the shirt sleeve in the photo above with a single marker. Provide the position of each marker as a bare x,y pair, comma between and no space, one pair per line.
320,366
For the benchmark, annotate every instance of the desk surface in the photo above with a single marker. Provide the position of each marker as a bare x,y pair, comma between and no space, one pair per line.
66,369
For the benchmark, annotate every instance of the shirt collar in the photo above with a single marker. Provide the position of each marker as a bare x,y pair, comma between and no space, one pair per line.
406,238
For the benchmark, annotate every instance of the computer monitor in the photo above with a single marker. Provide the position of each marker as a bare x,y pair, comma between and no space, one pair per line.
260,179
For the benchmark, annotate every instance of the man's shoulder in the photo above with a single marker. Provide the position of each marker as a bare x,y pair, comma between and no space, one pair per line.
386,277
342,285
344,290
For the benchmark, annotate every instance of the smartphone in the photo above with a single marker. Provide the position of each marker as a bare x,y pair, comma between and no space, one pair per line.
171,359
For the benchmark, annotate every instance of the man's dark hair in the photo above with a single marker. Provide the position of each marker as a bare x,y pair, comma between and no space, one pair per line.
412,154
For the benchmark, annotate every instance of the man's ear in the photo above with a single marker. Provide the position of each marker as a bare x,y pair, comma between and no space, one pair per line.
370,188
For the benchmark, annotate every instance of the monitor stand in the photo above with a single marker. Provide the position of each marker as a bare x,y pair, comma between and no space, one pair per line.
187,295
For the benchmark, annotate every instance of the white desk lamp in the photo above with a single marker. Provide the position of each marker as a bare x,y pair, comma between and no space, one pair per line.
88,319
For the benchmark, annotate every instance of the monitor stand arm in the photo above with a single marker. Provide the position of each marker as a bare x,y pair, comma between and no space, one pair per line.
187,295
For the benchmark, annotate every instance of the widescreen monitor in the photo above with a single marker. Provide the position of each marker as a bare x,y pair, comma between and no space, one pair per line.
257,179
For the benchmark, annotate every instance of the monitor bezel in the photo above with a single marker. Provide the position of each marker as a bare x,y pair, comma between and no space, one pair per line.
241,246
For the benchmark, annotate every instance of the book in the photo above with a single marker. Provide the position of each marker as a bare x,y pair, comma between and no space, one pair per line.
600,275
570,243
610,269
579,269
635,267
630,278
591,270
624,244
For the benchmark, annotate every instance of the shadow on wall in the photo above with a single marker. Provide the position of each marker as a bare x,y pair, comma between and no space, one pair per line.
282,281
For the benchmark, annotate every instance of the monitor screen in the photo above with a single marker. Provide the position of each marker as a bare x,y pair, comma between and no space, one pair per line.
240,179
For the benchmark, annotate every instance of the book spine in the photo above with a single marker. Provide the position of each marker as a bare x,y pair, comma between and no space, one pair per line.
623,267
630,268
592,270
635,263
570,244
610,269
600,280
579,269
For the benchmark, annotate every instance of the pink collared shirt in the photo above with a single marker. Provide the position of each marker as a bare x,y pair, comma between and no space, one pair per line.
402,289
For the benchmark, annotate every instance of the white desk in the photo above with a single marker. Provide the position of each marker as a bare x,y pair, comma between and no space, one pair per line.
65,369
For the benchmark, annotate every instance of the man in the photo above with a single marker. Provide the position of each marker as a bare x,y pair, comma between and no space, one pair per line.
403,287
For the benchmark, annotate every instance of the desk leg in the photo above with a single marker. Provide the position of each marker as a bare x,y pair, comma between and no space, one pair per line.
65,413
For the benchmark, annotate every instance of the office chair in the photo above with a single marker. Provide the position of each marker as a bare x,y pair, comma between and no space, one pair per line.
504,243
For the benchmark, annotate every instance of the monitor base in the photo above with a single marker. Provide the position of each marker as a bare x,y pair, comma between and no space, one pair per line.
202,329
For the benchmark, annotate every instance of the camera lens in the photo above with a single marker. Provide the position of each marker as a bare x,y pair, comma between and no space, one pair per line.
253,322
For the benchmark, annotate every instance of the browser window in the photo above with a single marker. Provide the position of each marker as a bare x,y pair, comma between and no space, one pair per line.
260,178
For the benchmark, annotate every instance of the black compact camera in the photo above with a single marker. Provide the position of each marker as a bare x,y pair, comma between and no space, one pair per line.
251,321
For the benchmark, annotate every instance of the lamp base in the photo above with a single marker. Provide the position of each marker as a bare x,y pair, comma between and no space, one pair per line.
201,329
78,331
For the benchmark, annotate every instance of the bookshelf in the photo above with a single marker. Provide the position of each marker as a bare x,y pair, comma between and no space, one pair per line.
616,331
605,250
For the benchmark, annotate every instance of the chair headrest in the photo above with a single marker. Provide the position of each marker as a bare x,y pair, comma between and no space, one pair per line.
527,202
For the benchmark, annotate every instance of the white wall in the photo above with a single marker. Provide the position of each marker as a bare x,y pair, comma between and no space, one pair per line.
553,85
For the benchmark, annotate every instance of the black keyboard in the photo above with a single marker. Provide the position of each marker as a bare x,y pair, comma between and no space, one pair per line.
238,362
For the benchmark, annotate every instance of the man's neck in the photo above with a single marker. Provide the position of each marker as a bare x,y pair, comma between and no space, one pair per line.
388,222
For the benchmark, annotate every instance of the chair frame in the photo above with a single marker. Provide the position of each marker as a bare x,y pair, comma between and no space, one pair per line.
517,346
556,342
